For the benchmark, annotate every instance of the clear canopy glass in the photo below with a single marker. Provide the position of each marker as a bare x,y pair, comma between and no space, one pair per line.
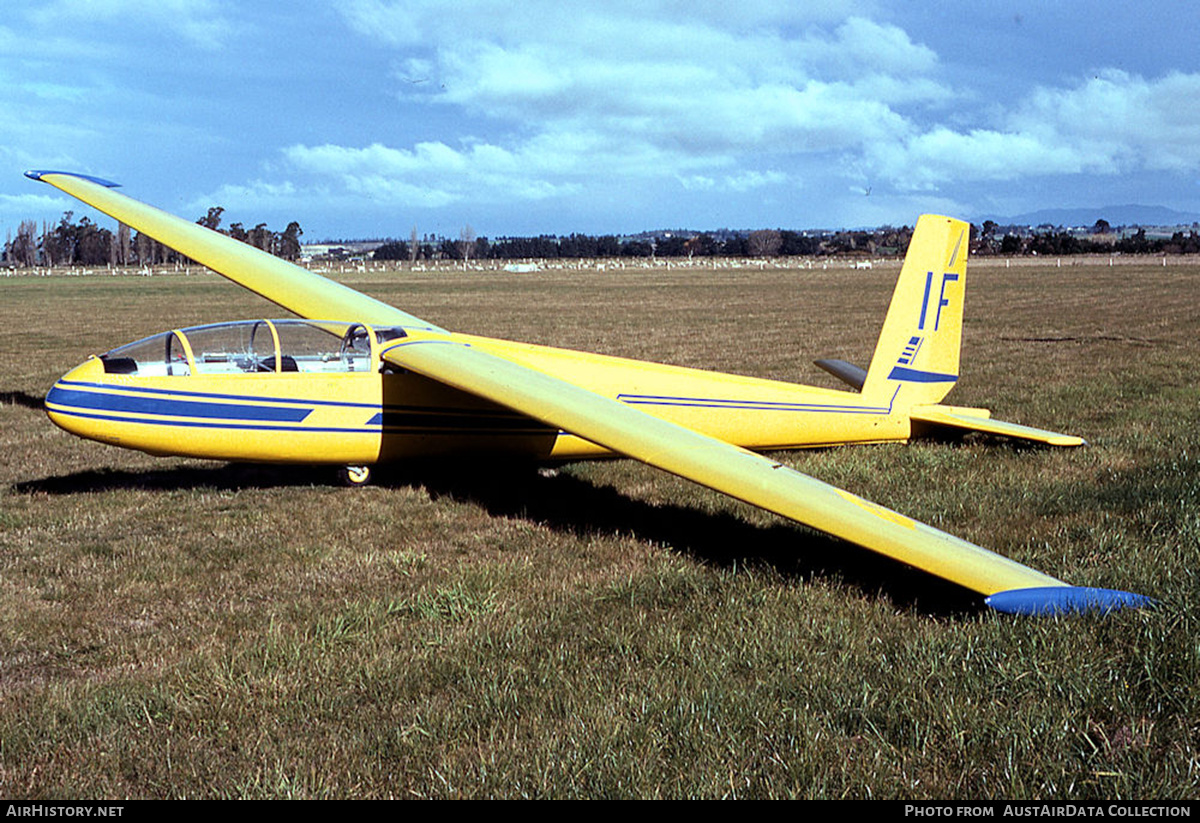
252,346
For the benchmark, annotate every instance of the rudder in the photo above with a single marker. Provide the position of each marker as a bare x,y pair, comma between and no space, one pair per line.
916,360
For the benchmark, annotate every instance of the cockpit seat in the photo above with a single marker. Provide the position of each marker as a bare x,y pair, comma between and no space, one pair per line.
288,363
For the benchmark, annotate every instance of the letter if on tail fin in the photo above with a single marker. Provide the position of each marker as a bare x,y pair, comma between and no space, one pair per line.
916,360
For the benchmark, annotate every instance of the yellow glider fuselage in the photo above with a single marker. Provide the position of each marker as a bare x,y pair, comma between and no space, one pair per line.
379,384
340,410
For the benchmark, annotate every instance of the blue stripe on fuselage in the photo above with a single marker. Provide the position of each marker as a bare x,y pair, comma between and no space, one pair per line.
167,407
245,426
748,405
252,398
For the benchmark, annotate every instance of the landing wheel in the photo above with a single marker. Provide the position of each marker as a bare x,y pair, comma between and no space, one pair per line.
354,475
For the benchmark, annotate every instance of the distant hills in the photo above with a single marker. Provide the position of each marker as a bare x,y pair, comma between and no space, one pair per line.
1128,215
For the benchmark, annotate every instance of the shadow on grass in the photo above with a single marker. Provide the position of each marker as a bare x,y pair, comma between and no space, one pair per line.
723,540
229,477
566,503
949,436
20,398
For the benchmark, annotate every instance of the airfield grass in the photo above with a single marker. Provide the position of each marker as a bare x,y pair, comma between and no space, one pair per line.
174,628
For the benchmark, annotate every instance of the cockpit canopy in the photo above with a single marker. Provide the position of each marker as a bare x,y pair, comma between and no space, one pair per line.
254,346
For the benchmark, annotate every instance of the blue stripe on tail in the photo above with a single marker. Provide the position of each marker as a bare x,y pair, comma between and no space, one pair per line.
917,376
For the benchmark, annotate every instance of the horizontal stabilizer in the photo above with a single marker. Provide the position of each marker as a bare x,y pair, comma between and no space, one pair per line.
848,373
1052,600
942,416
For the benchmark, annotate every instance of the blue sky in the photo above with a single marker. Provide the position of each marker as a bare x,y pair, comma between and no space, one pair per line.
368,117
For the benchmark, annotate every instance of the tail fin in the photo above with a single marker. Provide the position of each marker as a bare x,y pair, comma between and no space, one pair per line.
916,359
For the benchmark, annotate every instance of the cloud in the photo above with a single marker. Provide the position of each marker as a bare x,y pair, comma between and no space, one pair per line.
32,202
414,22
707,95
713,97
256,196
750,180
1122,120
1112,123
15,208
941,155
862,47
703,105
740,182
670,80
432,174
201,22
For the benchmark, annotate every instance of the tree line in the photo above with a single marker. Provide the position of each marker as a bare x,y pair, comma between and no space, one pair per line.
83,243
986,239
678,244
1098,240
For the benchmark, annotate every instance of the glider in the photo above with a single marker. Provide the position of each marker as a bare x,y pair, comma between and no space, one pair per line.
356,382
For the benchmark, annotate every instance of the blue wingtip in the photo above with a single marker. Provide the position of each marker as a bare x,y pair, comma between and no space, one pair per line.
1065,600
108,184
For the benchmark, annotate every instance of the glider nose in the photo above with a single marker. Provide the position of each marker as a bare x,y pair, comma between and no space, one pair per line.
62,406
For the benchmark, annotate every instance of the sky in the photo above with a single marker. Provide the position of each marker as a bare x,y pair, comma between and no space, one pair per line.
366,118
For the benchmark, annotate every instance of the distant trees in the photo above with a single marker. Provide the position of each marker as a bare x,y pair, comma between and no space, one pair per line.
213,219
794,243
887,241
1062,242
394,250
150,252
466,243
82,242
764,243
1055,242
1010,244
289,242
23,250
698,246
673,244
261,238
1183,244
543,246
985,238
124,246
1137,244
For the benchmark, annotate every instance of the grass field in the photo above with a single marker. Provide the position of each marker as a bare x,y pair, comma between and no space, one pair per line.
173,628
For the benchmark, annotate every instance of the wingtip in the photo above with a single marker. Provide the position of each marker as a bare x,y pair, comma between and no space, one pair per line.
1051,600
1067,440
35,174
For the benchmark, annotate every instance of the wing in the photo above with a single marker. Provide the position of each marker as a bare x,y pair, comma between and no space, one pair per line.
746,476
296,289
956,419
